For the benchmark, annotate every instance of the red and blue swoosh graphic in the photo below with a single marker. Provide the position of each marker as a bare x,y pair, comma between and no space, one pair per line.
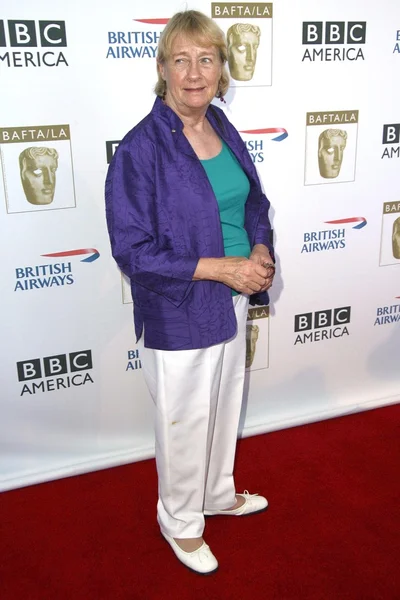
361,222
94,254
153,21
283,133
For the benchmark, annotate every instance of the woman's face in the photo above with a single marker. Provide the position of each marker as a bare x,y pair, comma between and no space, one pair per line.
192,74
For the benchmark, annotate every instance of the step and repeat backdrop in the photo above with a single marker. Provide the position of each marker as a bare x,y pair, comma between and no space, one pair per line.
314,92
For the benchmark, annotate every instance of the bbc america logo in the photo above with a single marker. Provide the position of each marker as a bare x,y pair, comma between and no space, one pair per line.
21,34
111,147
59,371
391,140
346,38
322,325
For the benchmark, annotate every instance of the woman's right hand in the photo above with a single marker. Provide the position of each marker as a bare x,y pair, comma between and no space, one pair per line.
237,272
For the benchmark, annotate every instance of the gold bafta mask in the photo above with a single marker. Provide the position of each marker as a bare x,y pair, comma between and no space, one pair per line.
38,166
331,145
396,238
243,41
252,332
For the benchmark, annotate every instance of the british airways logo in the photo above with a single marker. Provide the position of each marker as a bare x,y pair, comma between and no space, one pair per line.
255,138
53,274
386,315
331,238
140,43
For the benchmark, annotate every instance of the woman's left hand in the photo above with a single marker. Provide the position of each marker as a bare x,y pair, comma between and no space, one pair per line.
261,256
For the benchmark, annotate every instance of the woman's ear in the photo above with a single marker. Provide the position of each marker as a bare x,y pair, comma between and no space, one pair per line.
161,70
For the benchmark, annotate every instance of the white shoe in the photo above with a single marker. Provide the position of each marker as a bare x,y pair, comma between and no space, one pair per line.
201,560
253,503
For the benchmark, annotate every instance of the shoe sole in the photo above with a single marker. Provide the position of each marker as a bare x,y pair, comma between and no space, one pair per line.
256,512
186,567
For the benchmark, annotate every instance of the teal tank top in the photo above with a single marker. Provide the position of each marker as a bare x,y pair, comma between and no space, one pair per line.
231,188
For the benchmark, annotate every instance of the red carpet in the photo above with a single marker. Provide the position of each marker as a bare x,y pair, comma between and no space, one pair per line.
331,532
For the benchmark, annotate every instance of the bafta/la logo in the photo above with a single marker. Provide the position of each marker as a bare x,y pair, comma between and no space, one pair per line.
53,274
334,238
254,140
334,40
248,29
331,147
391,140
389,314
37,168
257,338
390,236
25,37
140,43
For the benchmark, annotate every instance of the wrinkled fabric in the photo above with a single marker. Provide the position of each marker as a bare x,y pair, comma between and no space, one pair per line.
162,216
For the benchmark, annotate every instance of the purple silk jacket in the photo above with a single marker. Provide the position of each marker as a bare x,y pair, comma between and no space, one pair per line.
162,216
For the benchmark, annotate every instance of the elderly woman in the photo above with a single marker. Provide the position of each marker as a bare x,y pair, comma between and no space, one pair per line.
188,224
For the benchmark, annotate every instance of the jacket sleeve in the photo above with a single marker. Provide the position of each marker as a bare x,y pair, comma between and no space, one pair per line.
264,232
138,247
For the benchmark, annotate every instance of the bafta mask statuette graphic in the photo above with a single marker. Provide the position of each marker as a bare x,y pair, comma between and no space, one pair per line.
331,145
243,41
38,166
252,332
396,238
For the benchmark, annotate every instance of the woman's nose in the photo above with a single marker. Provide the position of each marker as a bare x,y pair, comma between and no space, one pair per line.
193,69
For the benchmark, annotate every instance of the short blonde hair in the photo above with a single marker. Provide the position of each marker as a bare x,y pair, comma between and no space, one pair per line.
203,31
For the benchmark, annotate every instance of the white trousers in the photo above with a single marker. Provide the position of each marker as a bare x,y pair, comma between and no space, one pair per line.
198,398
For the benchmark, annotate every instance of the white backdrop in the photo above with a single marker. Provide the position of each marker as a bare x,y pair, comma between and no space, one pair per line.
75,78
